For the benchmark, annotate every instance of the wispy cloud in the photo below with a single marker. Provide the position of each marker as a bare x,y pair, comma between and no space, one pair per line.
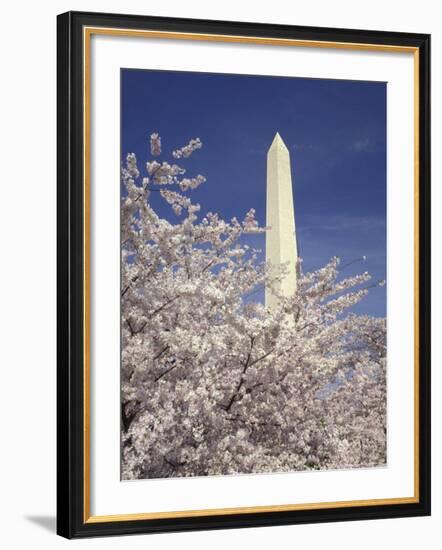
257,151
363,145
304,147
344,223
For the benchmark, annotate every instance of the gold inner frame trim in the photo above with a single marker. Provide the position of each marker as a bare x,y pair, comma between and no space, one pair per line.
87,34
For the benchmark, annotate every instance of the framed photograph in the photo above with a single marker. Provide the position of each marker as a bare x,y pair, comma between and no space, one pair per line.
243,274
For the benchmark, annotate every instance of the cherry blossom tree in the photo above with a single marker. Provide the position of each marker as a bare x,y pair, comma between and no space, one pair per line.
212,382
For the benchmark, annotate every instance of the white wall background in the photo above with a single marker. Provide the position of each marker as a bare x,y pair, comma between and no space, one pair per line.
27,298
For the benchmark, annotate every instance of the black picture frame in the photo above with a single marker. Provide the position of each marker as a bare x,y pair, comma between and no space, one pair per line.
71,389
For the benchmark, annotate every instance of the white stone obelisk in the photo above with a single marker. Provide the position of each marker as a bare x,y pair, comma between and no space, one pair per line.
281,245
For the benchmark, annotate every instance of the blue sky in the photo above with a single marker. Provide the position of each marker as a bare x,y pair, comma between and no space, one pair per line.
335,131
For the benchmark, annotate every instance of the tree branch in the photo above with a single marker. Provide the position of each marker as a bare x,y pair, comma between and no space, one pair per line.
174,366
246,365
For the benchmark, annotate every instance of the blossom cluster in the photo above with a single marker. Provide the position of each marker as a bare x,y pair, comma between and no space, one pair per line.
188,149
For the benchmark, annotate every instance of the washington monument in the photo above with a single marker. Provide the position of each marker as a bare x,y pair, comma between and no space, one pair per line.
281,243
